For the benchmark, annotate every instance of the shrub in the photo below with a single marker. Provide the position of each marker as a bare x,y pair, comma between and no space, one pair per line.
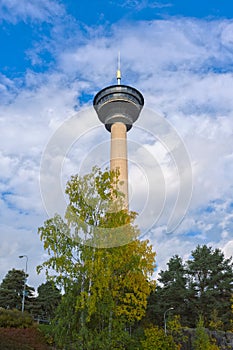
48,333
15,318
155,339
176,330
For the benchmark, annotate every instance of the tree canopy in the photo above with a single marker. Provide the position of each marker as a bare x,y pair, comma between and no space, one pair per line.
47,301
11,290
200,286
210,283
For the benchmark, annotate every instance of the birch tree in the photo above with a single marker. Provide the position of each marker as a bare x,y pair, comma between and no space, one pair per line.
105,284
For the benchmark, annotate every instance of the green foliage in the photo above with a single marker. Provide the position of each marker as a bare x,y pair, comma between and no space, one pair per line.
96,212
175,328
202,340
11,290
215,322
210,284
202,285
110,288
106,289
173,292
48,333
66,324
15,318
155,339
47,300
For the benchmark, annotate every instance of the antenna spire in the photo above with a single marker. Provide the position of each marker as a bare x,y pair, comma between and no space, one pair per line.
119,69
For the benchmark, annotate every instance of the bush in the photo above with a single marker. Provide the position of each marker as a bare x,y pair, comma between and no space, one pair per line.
155,339
15,318
48,333
176,330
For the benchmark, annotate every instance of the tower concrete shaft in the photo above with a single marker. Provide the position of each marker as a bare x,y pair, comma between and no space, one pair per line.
118,157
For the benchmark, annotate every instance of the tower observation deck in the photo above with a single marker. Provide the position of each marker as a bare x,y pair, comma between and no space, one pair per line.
118,107
118,103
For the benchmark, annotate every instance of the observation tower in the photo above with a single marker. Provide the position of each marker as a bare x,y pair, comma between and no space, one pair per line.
118,107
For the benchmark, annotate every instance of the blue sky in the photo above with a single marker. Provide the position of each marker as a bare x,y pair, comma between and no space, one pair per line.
22,30
55,55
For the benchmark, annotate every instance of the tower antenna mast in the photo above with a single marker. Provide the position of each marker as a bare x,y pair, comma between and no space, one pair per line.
119,69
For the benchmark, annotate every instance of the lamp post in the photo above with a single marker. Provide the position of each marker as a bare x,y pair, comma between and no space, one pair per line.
164,317
24,287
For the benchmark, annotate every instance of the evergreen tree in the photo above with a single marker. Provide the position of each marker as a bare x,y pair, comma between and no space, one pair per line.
11,290
202,340
203,285
47,301
171,292
210,284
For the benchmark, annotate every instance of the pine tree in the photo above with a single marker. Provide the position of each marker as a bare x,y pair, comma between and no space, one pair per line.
11,290
210,284
171,292
202,340
47,301
202,285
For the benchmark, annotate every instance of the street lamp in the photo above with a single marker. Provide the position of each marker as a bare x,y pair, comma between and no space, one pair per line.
164,317
24,287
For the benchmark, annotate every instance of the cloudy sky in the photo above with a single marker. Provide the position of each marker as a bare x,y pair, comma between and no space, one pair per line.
56,55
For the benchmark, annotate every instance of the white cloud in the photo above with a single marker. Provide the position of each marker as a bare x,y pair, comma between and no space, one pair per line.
19,241
139,5
228,249
38,10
